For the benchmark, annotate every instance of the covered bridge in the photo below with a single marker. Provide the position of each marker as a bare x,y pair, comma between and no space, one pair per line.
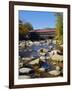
42,33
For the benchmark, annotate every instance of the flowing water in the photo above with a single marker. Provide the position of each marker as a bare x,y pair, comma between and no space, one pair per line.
33,50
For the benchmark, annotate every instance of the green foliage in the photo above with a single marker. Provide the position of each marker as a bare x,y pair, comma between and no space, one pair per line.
24,28
59,28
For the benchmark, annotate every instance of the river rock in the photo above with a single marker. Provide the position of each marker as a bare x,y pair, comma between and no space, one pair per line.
21,64
41,69
54,72
26,58
24,77
57,68
36,61
24,70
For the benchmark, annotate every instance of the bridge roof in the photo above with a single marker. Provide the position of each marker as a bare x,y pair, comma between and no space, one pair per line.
44,30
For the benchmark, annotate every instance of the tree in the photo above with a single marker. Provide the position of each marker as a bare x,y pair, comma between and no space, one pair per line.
59,28
24,29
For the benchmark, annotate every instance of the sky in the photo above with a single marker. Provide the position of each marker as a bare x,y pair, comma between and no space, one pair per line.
38,19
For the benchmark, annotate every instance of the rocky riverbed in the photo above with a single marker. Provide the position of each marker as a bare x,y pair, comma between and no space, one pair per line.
39,59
